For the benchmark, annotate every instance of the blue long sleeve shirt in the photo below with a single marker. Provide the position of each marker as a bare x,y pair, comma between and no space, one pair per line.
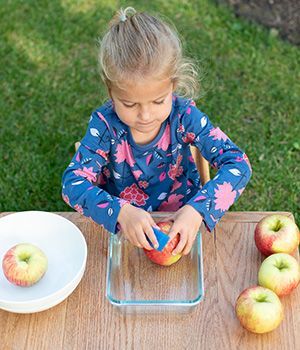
109,169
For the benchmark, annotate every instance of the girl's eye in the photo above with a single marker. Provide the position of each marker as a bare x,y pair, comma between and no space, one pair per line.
129,106
160,102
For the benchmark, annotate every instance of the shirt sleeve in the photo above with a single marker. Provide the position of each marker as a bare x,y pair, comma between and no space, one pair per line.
81,181
234,169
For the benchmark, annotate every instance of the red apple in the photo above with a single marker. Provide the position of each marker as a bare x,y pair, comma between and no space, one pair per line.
165,257
259,309
276,234
24,264
279,272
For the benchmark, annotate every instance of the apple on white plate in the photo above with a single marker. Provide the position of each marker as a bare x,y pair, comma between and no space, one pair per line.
279,272
24,264
276,233
259,309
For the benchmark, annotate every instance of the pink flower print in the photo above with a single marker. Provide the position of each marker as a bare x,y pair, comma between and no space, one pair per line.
164,141
172,203
124,153
137,173
189,137
103,119
188,111
102,153
213,218
143,184
100,180
200,198
241,190
246,159
106,172
174,169
148,159
218,134
78,157
191,159
176,185
162,176
103,205
87,173
225,196
66,198
78,208
134,195
180,128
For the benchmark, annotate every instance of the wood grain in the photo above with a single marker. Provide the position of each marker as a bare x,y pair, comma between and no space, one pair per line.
86,320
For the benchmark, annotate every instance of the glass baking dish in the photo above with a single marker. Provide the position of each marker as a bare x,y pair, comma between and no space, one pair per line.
134,284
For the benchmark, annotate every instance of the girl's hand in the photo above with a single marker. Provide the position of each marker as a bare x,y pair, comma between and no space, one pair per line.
187,222
135,224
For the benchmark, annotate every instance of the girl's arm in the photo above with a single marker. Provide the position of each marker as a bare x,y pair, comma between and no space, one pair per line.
80,179
234,169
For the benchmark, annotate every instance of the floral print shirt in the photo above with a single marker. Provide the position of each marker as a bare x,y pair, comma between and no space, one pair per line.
109,169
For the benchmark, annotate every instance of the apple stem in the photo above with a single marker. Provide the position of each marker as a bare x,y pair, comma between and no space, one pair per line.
281,265
277,226
261,298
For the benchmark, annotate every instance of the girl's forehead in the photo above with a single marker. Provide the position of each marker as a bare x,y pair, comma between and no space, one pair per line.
143,90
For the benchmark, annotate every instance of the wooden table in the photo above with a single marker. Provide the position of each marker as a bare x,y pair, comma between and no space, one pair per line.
86,320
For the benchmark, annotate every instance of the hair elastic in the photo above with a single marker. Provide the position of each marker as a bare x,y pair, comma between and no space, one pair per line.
123,17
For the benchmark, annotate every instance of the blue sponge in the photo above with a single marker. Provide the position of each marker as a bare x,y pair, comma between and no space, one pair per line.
161,237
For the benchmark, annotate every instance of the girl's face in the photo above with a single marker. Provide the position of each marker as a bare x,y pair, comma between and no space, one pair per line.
143,106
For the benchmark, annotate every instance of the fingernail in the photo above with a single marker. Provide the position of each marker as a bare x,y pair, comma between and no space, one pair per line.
174,253
156,246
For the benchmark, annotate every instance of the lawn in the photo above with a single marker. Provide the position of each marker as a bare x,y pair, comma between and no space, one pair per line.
50,84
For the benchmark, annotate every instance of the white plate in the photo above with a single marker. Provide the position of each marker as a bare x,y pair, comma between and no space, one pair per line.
66,250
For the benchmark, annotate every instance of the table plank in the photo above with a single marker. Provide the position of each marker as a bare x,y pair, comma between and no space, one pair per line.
86,320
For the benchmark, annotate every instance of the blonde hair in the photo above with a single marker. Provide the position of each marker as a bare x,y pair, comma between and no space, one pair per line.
138,45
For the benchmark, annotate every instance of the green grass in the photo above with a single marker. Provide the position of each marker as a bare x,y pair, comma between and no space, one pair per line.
49,85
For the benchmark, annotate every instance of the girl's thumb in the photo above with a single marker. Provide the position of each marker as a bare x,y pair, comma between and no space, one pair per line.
173,232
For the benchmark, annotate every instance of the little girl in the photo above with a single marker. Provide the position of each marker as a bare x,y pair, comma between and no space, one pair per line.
135,156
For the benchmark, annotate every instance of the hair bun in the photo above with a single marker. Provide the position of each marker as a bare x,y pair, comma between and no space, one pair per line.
123,14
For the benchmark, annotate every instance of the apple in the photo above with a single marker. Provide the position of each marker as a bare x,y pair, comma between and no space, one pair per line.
259,309
279,272
24,264
164,257
276,233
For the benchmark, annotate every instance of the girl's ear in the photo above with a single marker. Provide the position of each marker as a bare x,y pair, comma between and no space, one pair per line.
109,92
175,83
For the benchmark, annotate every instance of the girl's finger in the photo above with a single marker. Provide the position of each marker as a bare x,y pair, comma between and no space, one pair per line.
178,249
188,246
173,231
153,223
190,243
150,234
140,235
134,240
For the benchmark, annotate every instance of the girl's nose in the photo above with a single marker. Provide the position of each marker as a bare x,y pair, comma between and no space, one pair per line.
145,114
